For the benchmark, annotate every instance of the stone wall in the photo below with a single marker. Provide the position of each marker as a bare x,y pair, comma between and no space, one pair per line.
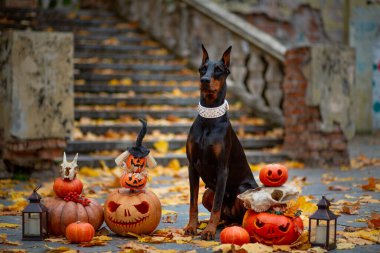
37,97
306,138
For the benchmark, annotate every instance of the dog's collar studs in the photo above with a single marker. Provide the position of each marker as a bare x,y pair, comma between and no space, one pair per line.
214,112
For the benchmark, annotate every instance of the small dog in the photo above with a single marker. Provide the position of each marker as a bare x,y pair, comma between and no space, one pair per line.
215,153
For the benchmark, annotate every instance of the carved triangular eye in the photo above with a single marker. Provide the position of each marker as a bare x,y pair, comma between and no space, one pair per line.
112,206
284,228
259,223
143,207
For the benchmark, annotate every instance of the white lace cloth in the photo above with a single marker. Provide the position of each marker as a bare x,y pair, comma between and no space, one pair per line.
263,198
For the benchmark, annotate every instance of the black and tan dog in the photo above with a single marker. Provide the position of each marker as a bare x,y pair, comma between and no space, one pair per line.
215,153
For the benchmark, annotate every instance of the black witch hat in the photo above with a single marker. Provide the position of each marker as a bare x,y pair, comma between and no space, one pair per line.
139,150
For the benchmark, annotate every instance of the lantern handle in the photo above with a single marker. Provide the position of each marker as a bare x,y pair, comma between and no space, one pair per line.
37,188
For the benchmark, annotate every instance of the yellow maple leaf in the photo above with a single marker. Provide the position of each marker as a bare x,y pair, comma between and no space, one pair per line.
306,206
204,244
257,248
9,225
114,82
161,146
61,249
89,172
126,81
174,164
292,208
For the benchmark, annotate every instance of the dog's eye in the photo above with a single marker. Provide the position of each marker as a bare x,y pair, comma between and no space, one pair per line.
219,69
202,70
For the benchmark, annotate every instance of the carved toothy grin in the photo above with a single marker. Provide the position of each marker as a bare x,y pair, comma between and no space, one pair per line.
129,224
268,241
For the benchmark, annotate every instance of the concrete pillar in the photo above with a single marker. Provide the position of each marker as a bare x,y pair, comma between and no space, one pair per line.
36,96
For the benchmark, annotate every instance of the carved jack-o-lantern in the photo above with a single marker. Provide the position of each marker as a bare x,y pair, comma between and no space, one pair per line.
272,229
136,212
137,164
273,174
135,181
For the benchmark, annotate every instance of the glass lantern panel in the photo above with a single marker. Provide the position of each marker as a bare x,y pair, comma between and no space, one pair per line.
332,232
32,224
321,232
44,223
313,230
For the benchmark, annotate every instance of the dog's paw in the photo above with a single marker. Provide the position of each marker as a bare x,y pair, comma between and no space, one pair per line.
190,230
208,233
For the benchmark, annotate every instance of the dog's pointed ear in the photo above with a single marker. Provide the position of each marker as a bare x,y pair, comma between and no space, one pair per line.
226,57
205,55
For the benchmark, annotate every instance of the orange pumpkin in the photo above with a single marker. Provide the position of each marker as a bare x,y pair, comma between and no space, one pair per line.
234,235
62,214
78,232
133,181
272,229
137,212
136,163
62,187
273,174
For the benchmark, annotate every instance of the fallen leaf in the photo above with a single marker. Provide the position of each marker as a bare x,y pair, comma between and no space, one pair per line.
204,244
61,249
89,172
349,208
372,184
161,146
374,222
257,248
4,240
226,248
338,188
57,239
13,251
345,245
316,250
282,248
102,231
9,225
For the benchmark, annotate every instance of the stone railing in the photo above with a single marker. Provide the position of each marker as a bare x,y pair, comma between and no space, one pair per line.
256,59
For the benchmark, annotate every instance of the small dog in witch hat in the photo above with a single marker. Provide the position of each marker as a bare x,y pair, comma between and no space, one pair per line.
133,161
215,153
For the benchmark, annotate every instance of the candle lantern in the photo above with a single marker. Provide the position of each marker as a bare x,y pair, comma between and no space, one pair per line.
34,219
322,226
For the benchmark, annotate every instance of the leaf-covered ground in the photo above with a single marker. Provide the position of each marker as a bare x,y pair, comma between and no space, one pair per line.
355,195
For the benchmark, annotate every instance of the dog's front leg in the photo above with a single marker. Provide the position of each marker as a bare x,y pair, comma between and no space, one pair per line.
210,230
191,228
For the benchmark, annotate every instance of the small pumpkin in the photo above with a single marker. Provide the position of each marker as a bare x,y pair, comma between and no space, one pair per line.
272,229
273,175
137,164
234,235
127,211
78,232
62,214
133,180
62,187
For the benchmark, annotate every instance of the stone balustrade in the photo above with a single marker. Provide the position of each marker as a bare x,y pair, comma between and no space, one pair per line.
256,59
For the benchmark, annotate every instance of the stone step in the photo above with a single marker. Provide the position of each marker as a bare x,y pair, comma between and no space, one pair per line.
124,56
135,100
110,31
141,113
172,128
253,157
101,37
60,20
133,49
136,67
83,146
94,88
96,78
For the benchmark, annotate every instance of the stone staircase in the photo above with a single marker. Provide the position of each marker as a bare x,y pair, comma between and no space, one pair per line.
121,74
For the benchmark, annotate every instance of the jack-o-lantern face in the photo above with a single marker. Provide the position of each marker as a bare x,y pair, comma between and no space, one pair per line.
136,212
272,229
273,175
133,180
137,164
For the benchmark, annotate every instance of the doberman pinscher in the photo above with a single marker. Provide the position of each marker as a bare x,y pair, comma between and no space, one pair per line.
215,153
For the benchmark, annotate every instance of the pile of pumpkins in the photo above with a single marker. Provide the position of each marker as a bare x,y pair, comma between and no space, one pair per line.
132,210
266,227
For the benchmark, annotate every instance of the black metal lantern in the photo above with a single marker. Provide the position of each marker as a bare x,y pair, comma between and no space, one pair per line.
34,219
322,226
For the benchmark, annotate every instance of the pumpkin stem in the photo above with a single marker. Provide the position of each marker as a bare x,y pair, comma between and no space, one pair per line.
142,133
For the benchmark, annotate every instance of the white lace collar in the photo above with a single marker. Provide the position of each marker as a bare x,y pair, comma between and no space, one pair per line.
214,112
